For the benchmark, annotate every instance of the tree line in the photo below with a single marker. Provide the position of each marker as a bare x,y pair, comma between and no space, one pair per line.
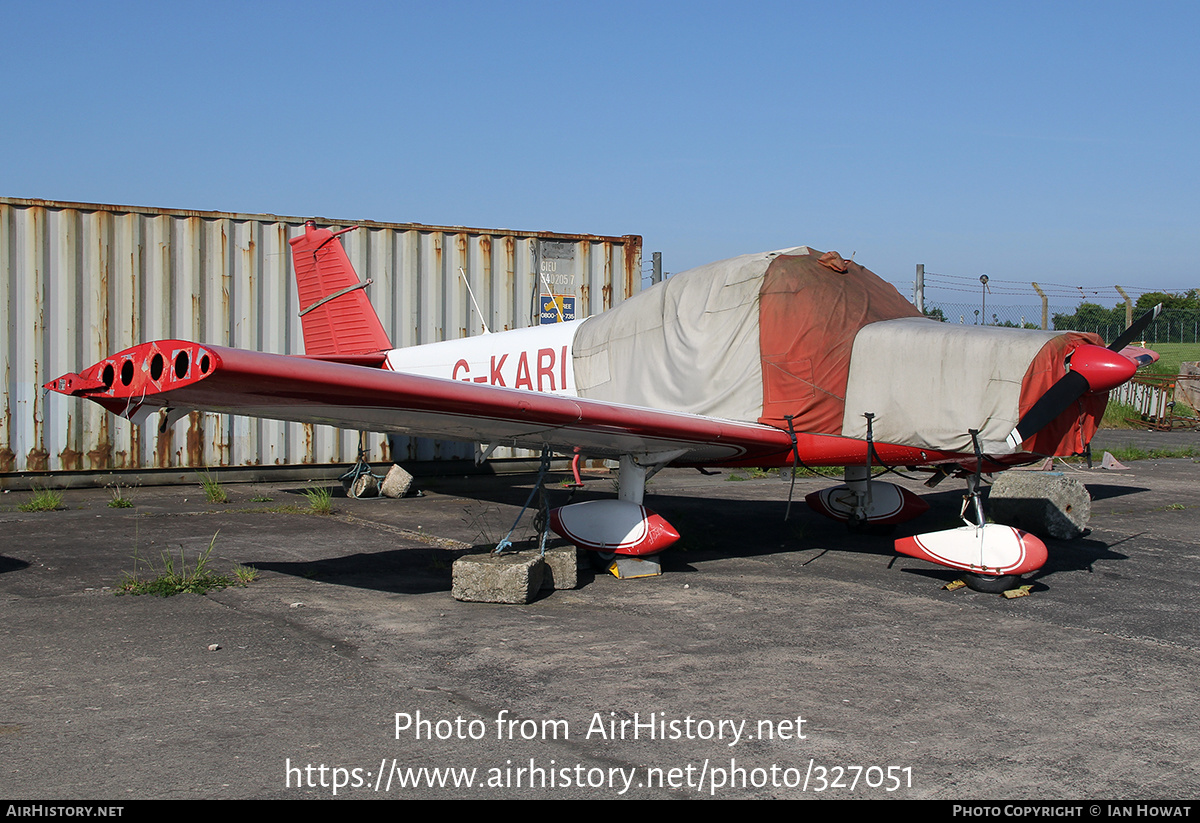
1178,323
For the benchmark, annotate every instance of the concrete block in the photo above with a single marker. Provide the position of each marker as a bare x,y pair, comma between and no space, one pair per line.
364,486
1049,504
562,568
512,578
1189,384
397,482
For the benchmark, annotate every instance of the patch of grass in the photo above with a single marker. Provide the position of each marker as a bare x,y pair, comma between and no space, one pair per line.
43,500
261,498
245,574
286,508
172,578
213,491
119,500
1131,452
817,471
1170,355
1117,416
1126,453
734,477
320,500
616,485
1171,454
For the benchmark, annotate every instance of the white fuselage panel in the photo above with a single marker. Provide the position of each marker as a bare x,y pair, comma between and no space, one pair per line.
538,358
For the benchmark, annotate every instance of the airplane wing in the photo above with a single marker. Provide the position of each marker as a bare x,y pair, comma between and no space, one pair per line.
182,376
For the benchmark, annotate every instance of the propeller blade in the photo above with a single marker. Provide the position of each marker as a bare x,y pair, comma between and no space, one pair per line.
1069,388
1139,326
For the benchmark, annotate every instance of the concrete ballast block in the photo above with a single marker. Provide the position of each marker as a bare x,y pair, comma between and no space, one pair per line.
365,486
1049,504
513,578
397,482
562,568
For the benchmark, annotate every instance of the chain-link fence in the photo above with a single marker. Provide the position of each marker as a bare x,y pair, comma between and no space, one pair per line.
1099,309
1172,326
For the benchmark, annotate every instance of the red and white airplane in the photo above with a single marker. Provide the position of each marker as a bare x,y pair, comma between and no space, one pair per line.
783,358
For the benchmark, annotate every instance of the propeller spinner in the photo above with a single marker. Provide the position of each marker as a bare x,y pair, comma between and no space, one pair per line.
1090,369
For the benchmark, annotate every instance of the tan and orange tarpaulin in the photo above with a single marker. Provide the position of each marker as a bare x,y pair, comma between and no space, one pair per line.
797,332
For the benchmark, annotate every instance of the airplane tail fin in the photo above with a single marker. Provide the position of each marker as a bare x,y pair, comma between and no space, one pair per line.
337,318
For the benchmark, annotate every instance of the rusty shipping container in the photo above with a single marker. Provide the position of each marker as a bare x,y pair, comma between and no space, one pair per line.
81,281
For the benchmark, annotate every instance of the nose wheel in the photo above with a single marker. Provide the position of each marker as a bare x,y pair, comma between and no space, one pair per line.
989,584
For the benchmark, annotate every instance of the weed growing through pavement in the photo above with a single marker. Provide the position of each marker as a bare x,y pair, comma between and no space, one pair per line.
174,577
213,491
320,500
245,574
119,500
43,500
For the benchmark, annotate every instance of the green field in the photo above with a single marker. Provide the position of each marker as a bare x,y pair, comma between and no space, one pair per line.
1170,355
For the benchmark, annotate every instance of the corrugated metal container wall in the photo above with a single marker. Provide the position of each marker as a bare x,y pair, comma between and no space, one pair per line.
81,281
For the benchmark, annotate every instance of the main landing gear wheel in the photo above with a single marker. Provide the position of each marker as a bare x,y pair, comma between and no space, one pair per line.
991,584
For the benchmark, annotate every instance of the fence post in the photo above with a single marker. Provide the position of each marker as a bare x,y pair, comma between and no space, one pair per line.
1045,307
1128,306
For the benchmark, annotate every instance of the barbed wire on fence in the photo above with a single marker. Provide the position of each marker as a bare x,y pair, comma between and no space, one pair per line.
1099,309
1170,327
1056,292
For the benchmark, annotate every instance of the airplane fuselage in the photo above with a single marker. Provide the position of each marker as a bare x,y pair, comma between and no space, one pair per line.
538,358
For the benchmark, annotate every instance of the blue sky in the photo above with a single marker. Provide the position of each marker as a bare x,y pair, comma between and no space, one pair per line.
1031,141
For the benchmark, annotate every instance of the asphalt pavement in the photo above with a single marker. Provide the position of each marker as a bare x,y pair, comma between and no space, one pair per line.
773,658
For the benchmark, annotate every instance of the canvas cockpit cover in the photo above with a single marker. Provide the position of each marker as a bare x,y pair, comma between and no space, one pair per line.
753,338
689,344
822,339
